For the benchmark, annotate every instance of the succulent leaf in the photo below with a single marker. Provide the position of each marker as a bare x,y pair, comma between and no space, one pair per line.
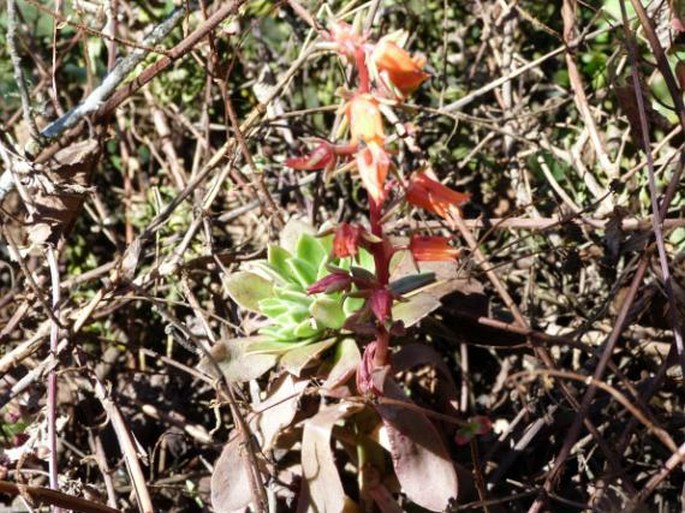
303,271
278,258
310,249
248,289
328,313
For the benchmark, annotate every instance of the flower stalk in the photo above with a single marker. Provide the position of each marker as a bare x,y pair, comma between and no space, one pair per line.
385,74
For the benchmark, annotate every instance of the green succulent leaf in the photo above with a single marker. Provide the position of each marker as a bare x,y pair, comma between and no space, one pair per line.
304,273
294,296
290,268
273,307
360,272
352,305
328,312
298,358
248,289
275,346
310,249
305,329
278,258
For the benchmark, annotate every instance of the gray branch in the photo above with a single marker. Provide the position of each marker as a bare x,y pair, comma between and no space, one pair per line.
91,104
18,71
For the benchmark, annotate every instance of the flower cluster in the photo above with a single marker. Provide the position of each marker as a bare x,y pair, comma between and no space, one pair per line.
386,75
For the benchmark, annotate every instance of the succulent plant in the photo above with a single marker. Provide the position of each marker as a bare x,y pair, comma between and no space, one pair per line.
277,287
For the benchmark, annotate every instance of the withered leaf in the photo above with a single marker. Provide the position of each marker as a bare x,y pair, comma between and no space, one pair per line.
54,193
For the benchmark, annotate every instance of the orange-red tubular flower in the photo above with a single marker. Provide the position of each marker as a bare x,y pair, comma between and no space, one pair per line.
319,158
373,164
403,70
364,116
427,248
433,196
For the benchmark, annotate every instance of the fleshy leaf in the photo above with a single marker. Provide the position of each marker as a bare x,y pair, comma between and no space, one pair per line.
247,289
294,296
235,362
352,305
410,283
275,346
328,313
366,260
292,232
278,258
273,307
343,364
230,480
310,249
422,464
295,360
318,464
305,329
303,271
326,244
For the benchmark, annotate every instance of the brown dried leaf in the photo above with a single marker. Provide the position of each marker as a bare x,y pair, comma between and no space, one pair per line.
56,193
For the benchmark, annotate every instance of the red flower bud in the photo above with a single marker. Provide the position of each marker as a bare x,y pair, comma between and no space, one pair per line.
334,282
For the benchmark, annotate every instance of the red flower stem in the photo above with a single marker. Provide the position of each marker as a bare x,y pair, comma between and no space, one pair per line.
381,356
362,70
378,249
380,255
381,260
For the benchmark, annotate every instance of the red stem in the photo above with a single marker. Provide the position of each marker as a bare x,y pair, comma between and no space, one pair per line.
381,255
379,250
381,260
364,82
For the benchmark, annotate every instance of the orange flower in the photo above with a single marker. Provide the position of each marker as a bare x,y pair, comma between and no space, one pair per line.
364,116
373,164
426,248
401,69
430,194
